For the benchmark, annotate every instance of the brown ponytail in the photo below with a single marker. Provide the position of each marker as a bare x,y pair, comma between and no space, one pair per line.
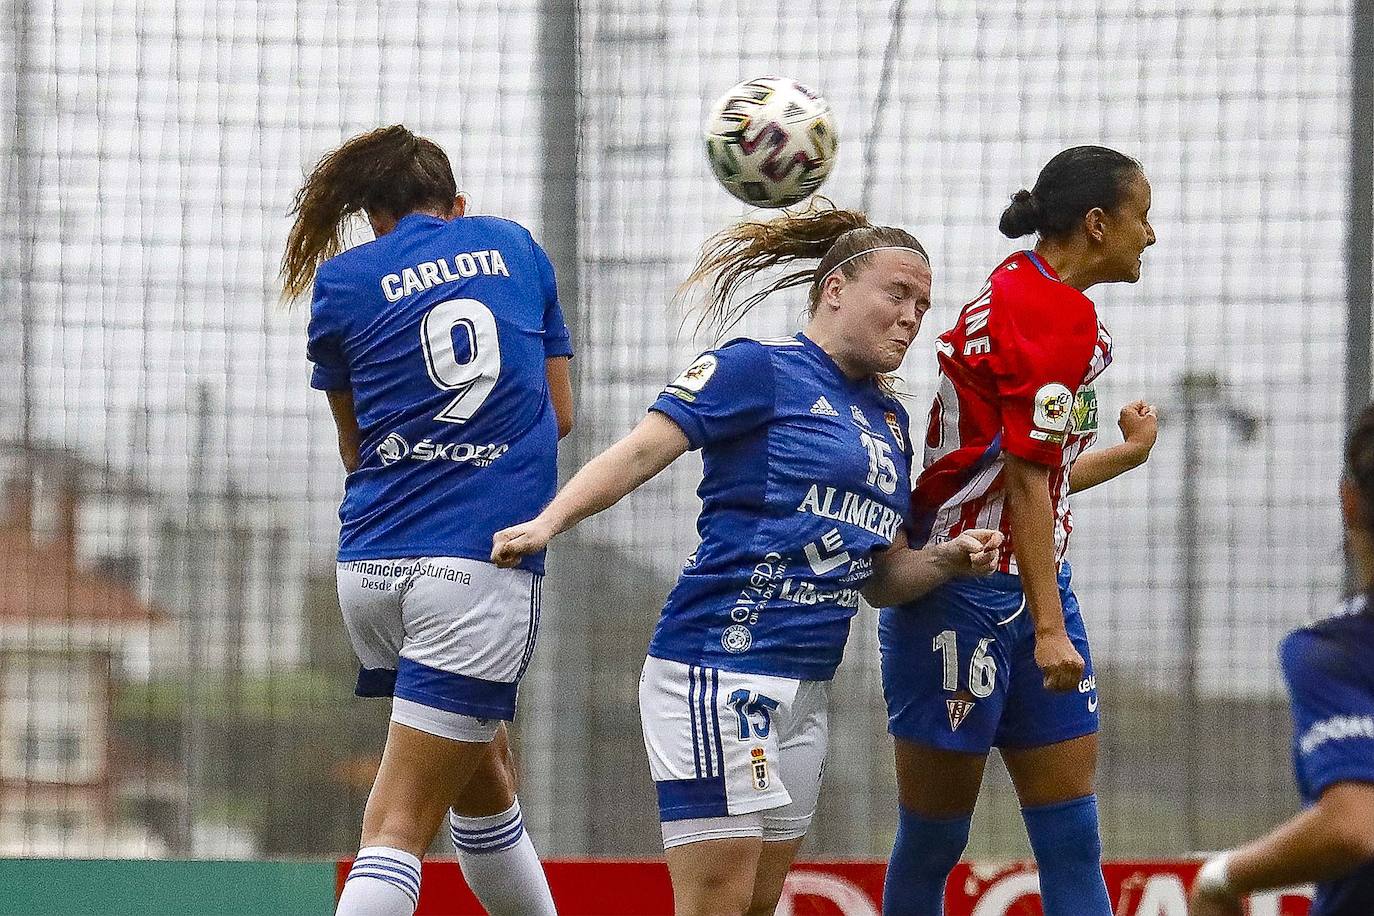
389,171
826,234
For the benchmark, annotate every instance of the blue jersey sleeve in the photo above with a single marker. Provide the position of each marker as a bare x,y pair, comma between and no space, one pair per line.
557,338
724,394
324,347
1333,712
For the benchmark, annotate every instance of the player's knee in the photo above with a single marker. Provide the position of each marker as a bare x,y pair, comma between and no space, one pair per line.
717,892
398,831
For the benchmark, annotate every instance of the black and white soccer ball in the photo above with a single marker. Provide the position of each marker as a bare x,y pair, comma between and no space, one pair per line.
771,141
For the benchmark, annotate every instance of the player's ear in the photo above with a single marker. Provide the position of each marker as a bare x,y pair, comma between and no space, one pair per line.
460,206
1095,222
830,289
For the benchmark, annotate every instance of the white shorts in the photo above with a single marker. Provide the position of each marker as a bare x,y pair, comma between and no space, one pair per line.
732,754
448,637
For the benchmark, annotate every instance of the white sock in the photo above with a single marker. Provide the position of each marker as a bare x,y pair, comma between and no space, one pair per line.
500,864
382,882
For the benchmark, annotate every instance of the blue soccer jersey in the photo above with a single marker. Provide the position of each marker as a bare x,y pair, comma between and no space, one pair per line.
806,475
1331,681
441,329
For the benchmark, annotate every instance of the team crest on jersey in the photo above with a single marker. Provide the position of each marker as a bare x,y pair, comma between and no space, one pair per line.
1085,410
694,378
958,712
758,761
896,426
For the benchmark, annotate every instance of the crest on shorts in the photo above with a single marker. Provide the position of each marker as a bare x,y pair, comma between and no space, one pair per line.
758,760
958,712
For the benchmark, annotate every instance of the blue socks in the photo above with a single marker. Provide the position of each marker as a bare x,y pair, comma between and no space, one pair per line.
925,853
1068,851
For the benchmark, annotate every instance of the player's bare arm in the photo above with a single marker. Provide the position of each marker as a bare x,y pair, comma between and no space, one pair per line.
1032,538
1324,842
901,574
560,392
1139,424
346,423
649,448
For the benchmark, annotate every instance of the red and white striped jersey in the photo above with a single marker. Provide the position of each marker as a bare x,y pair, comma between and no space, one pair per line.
1016,374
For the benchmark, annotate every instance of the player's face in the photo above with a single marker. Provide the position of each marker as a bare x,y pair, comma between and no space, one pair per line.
881,308
1129,232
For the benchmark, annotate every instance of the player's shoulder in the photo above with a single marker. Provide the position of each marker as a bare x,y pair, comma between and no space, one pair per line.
755,349
1332,647
495,231
496,227
1024,280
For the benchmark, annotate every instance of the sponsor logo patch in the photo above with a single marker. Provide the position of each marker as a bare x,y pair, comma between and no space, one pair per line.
1053,408
835,556
822,408
736,639
392,449
694,378
1085,410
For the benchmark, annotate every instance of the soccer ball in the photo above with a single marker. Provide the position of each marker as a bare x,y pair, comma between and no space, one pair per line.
771,141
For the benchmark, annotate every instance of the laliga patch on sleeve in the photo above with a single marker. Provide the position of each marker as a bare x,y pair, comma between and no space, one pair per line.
693,378
1053,409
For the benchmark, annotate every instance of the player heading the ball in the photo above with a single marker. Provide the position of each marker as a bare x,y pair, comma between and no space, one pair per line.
805,498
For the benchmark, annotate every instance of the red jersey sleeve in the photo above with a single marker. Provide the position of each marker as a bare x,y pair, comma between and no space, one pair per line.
1042,340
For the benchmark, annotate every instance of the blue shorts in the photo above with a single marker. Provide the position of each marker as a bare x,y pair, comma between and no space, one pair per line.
959,669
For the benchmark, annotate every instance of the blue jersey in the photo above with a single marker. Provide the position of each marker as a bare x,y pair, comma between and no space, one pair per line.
441,329
806,475
1330,672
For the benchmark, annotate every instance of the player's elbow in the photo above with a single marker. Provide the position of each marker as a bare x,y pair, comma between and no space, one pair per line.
1359,840
565,423
1354,842
1349,809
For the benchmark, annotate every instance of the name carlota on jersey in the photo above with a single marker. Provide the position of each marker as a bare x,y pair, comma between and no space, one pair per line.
428,274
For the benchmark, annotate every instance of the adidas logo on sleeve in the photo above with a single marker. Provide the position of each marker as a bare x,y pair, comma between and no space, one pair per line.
822,408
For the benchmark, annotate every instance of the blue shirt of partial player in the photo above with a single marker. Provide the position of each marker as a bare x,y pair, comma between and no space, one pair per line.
440,329
806,475
1329,668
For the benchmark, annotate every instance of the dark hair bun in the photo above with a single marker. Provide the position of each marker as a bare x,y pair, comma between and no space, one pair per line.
1022,216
